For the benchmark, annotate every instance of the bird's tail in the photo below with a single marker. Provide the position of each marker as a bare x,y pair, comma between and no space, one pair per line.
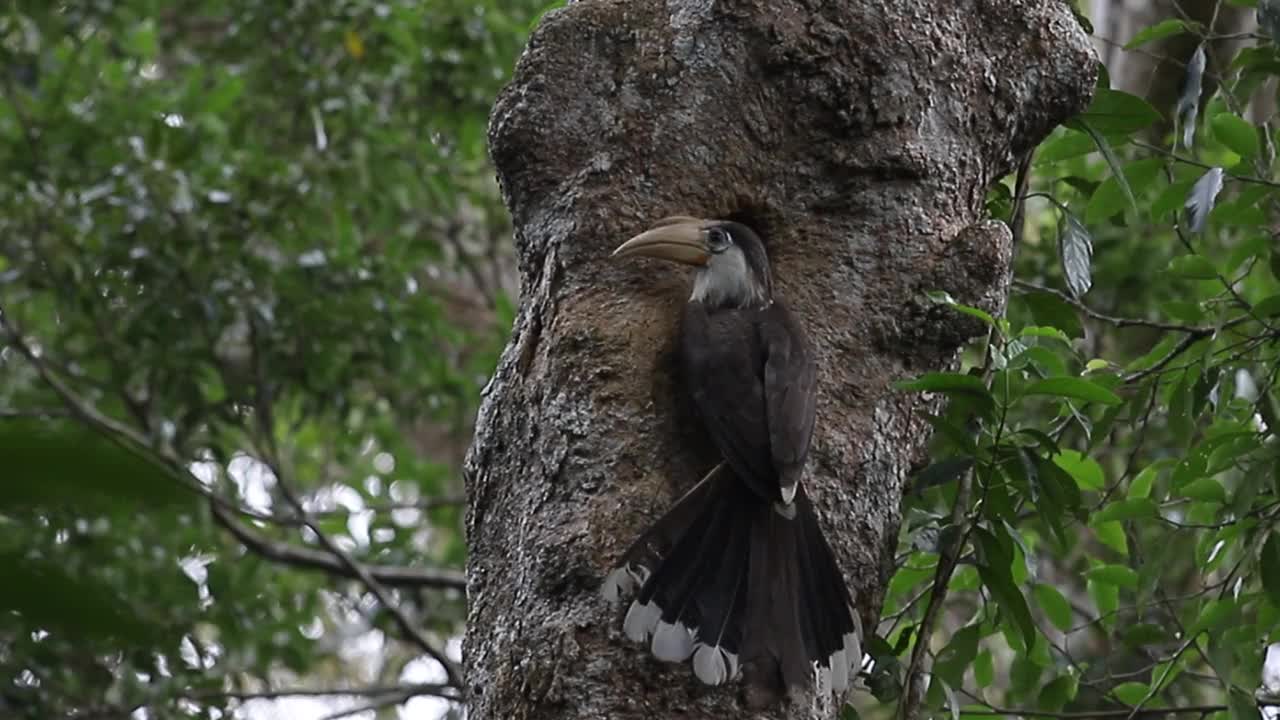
744,587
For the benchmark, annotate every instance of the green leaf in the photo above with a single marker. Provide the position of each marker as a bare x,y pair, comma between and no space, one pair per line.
1075,252
1128,509
1131,693
1050,310
1192,266
984,669
1146,634
958,655
1214,615
1116,191
55,464
1086,471
1117,178
1105,596
1118,575
943,471
995,570
1059,496
1070,144
1040,331
1075,388
1267,307
1141,485
1167,28
140,41
1205,489
941,297
1054,606
1242,706
1112,535
1171,199
1236,133
1269,566
1113,111
1058,693
944,382
78,605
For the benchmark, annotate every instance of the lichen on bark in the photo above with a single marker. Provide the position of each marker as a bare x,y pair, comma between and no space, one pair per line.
859,138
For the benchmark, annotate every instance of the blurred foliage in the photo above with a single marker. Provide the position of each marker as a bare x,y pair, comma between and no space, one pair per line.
252,233
1104,481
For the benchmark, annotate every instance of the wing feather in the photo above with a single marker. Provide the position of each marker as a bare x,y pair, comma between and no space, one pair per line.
789,381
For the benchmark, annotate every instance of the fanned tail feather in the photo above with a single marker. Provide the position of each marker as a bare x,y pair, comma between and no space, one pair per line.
742,587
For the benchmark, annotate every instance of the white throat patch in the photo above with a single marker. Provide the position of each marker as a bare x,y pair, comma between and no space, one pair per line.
726,280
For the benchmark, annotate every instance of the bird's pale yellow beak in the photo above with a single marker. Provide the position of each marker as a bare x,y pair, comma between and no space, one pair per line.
680,239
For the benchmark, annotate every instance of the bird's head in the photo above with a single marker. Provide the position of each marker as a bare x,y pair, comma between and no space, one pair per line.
732,269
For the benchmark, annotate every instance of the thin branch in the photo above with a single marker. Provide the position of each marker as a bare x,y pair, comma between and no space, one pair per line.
1183,345
398,693
307,558
1166,152
36,413
413,690
426,504
378,704
1197,330
265,424
1088,714
223,510
1158,685
379,591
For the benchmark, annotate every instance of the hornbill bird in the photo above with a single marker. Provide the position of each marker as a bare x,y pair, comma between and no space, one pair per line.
737,575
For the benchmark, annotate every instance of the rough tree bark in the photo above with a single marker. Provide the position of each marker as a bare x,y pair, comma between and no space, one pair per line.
859,137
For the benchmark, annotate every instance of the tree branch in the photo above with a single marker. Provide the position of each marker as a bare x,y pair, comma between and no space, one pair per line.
1088,714
1197,330
307,558
264,419
408,691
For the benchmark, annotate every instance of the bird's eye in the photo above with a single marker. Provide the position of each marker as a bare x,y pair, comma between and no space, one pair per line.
720,239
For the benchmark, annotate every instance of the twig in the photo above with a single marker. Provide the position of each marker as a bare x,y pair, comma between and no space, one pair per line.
913,693
132,441
399,693
413,690
266,432
393,699
1186,342
1197,163
425,505
1198,330
304,557
1088,714
36,413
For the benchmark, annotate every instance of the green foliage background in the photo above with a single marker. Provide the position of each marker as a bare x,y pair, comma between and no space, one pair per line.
252,254
214,207
1104,492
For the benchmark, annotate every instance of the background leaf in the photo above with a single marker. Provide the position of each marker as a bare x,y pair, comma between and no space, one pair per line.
1201,199
1075,248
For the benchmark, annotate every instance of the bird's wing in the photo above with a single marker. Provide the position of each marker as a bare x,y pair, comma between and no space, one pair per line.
724,373
789,387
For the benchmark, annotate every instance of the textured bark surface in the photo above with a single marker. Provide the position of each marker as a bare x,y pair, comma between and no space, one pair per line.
859,139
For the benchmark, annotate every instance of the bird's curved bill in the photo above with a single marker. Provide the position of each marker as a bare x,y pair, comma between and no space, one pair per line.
681,239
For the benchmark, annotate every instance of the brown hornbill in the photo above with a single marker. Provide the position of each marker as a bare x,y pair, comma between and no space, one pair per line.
737,574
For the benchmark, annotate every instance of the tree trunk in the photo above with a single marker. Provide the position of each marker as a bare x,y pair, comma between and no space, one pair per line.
859,138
